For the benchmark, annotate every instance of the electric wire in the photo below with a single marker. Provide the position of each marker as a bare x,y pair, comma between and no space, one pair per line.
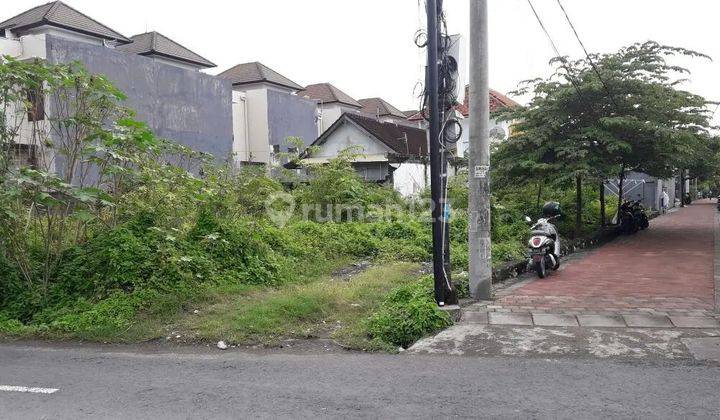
590,60
559,56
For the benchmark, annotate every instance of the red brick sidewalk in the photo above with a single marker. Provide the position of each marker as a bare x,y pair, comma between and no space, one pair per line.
668,267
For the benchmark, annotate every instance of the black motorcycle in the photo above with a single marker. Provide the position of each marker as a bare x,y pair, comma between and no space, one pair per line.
639,215
626,218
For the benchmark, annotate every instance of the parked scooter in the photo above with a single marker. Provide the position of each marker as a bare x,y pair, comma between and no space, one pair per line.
544,244
626,217
639,216
688,199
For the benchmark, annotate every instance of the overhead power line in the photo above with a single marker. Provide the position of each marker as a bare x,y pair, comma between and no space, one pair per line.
547,34
590,60
557,52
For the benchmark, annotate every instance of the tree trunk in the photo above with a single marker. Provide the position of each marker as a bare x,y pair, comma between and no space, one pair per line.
602,203
578,205
620,188
682,187
537,203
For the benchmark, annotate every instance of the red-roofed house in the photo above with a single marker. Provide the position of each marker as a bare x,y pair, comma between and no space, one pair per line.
499,130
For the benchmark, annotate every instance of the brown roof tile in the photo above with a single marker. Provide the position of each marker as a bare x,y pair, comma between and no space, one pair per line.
61,15
402,139
380,107
256,72
327,93
498,101
151,43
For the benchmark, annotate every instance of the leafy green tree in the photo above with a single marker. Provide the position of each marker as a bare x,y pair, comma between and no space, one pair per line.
610,114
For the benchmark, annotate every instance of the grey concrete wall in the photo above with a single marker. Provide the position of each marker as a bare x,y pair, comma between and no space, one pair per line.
290,116
641,186
185,106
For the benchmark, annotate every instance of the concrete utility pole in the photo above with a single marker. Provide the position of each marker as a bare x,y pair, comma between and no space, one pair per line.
479,155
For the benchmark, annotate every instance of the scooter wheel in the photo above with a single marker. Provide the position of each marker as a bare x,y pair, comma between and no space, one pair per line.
540,268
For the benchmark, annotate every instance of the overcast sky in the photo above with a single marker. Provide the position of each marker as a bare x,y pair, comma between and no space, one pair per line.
365,47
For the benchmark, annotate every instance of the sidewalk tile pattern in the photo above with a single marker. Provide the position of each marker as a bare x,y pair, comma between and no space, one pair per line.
667,269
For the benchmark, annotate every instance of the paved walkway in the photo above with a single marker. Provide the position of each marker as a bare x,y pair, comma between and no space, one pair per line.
648,295
668,267
661,277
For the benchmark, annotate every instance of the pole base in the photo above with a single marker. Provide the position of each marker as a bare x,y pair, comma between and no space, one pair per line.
452,310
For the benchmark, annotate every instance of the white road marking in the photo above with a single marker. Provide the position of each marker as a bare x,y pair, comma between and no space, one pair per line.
14,388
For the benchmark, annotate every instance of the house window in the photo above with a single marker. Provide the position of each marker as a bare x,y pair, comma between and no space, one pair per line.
23,155
36,109
276,148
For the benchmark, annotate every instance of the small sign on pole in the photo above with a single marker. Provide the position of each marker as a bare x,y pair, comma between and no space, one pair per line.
481,171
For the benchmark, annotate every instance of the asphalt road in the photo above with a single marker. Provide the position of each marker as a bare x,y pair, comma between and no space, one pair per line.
156,382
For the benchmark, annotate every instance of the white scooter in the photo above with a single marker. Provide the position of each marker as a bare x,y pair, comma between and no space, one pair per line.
544,243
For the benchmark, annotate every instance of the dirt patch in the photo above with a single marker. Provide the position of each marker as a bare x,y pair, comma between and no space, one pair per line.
348,272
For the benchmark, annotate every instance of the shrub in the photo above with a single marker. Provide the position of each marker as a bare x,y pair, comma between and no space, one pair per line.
85,319
10,326
407,314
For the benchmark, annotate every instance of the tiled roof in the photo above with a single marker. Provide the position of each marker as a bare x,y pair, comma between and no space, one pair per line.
402,139
497,100
256,72
417,116
327,93
410,113
154,43
63,16
380,107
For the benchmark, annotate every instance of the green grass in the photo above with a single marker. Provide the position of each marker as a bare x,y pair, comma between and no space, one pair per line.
328,308
314,305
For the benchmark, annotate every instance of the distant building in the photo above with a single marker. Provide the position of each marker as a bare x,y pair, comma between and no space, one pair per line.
410,113
382,110
164,50
646,189
389,153
266,111
332,103
160,77
499,130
